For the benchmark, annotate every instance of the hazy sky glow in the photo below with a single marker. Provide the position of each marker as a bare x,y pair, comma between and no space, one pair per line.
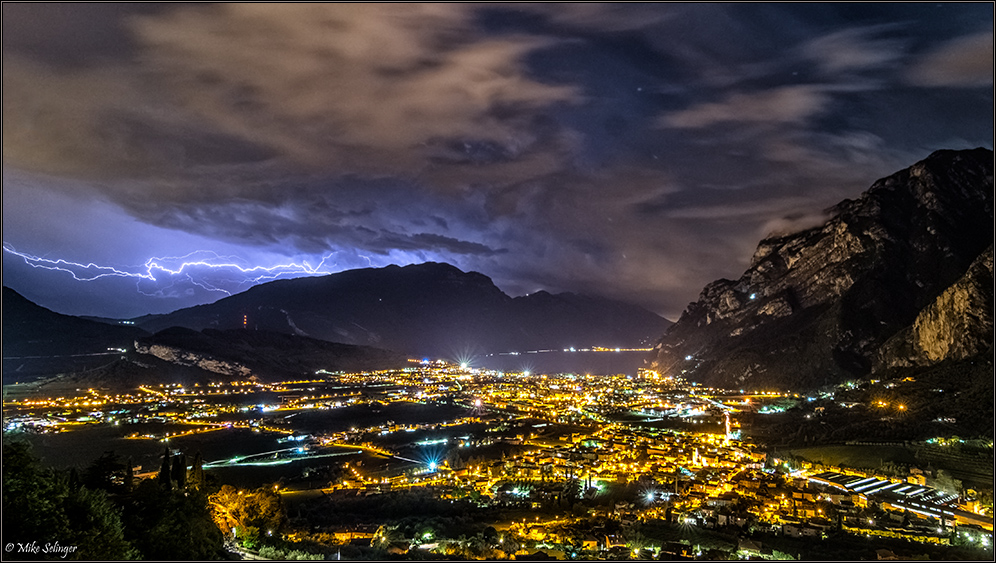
636,152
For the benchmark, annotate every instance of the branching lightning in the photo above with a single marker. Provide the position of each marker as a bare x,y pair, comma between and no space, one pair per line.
202,268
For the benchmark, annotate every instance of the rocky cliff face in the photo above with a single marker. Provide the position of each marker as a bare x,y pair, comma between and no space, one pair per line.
833,302
183,357
948,327
956,326
257,354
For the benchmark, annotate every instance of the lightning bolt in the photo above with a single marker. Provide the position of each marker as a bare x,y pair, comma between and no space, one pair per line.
202,268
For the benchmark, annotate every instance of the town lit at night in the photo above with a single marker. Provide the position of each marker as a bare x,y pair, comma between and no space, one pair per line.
522,282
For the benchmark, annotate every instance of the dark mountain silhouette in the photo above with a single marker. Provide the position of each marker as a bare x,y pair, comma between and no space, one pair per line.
37,341
425,309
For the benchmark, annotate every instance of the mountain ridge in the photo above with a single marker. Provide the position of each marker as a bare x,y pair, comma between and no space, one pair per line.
815,307
38,341
426,309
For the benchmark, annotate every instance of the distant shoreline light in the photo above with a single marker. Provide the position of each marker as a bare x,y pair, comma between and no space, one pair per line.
570,350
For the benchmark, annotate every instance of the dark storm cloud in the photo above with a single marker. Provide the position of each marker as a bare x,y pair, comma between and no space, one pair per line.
365,87
71,35
374,216
318,85
634,151
438,243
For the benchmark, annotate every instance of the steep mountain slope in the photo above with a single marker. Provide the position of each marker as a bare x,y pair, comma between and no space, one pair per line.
37,341
956,326
431,309
818,306
187,357
270,356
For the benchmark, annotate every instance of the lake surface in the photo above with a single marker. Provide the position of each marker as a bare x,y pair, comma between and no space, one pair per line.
599,363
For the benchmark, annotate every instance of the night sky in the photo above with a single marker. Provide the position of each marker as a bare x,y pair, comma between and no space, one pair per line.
636,152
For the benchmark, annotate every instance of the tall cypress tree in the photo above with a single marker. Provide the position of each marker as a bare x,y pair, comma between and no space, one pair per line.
164,471
129,480
179,473
197,472
74,480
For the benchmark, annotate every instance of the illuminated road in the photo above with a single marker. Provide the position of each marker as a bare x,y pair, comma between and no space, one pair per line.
249,459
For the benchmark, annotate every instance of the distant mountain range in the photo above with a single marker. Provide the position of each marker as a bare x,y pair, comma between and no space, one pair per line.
899,278
374,317
429,309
